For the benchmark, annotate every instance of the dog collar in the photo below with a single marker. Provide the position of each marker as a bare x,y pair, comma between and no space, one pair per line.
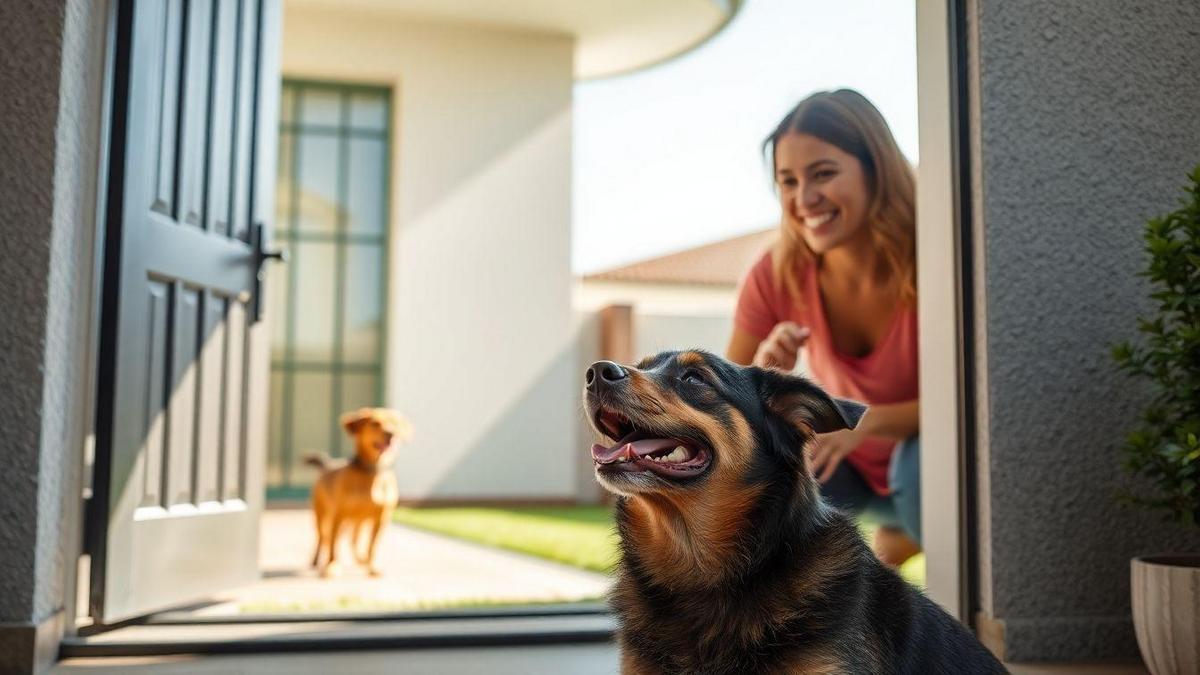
369,468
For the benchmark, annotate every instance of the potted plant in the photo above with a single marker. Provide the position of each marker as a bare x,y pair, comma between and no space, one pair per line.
1164,449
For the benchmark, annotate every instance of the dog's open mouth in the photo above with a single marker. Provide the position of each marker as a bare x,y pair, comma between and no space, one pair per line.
639,450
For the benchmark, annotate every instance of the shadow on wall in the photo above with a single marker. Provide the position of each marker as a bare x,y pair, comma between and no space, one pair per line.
587,325
521,425
474,161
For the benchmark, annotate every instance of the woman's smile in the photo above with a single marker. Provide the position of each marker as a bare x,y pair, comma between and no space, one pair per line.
819,221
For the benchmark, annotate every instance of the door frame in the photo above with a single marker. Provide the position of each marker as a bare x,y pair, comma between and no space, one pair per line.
78,573
947,314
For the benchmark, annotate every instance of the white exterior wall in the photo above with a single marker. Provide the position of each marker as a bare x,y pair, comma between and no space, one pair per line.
654,333
481,352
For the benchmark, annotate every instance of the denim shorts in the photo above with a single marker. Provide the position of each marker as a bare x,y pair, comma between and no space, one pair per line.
848,490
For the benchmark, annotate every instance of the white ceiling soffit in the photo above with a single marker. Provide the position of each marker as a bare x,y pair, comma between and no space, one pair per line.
612,36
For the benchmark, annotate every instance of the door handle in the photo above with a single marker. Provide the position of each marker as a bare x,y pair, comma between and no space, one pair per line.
261,253
261,256
277,254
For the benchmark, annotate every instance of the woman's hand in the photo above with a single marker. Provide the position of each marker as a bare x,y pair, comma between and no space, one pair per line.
781,347
826,451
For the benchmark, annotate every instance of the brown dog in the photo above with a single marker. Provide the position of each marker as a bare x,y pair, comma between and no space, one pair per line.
359,492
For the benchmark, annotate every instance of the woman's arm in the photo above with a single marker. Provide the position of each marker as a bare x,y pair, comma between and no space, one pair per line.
742,346
892,420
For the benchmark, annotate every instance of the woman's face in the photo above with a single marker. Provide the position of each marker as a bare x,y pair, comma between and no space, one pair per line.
822,190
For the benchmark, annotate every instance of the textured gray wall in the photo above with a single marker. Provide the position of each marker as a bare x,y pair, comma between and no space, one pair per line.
1087,116
32,34
49,143
67,371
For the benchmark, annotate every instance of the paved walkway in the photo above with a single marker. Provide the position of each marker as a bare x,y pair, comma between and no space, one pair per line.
574,659
420,571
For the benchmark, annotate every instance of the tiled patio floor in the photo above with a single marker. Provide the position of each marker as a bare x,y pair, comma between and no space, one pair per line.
573,659
420,571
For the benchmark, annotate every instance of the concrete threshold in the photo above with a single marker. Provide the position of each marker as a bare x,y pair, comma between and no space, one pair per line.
333,635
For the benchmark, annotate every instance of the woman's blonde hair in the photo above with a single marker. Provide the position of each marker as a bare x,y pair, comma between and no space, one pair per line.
847,120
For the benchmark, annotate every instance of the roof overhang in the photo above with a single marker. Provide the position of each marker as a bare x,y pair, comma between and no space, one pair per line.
612,37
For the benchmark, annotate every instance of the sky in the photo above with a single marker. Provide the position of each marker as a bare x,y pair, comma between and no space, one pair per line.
669,158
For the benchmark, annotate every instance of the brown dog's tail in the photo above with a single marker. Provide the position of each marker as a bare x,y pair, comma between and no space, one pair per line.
318,460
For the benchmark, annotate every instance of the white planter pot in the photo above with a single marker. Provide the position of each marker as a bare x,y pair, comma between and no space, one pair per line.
1166,612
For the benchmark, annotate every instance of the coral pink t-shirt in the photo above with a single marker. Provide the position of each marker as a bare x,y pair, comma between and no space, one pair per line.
886,375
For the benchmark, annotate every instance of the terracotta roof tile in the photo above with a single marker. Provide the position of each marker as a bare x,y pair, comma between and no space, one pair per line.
721,263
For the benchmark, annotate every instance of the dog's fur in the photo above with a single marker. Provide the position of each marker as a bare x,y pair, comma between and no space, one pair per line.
362,492
739,566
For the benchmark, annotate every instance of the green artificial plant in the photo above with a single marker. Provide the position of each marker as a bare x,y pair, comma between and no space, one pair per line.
1165,446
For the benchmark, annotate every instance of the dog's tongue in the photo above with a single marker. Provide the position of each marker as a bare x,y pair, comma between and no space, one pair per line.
624,449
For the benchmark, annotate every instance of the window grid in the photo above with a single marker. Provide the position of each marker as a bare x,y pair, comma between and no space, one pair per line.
341,239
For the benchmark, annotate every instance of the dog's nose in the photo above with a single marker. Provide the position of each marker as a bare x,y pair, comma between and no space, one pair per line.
603,372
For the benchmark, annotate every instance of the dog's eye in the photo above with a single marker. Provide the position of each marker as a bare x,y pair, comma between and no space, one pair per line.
694,377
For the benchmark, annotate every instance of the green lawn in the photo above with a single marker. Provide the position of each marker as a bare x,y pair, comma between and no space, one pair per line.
913,570
581,536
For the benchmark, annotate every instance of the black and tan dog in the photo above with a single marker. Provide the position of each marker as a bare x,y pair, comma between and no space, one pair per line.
732,563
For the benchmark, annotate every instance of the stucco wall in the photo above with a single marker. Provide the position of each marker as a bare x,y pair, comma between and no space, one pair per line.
1086,121
49,140
654,333
33,38
481,350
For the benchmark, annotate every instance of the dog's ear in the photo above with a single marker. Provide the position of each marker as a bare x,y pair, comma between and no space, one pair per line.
351,421
398,425
806,405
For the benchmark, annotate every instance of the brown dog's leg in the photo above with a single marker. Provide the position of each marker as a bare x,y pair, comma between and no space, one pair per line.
361,548
373,539
331,566
322,525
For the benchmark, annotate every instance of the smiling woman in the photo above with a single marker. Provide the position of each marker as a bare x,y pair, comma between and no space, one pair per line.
840,283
